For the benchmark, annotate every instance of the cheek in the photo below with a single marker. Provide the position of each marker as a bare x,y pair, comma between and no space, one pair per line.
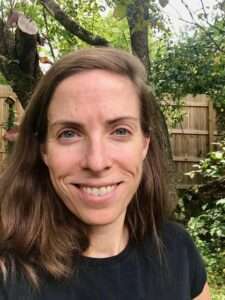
66,159
132,160
59,162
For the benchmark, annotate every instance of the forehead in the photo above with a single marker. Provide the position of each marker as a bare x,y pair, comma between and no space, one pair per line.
94,93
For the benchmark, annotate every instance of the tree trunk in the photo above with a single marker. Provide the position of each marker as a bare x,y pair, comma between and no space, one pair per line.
19,61
138,19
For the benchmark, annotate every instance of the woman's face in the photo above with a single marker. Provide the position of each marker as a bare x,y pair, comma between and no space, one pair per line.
95,146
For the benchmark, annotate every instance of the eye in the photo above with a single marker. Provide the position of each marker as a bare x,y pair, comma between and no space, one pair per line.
68,134
121,131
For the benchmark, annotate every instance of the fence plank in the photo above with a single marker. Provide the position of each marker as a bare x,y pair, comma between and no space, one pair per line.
186,158
189,131
192,139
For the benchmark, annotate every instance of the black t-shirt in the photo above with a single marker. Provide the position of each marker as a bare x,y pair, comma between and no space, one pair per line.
137,273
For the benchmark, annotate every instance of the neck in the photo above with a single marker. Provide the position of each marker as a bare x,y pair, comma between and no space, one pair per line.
108,240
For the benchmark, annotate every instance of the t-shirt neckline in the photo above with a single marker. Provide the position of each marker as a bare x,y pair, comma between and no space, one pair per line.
108,260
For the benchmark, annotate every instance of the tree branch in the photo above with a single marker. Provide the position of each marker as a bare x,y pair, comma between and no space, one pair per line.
204,11
188,9
217,46
47,34
70,25
200,26
207,20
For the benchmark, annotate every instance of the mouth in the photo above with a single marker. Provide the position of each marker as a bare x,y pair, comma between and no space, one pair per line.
98,191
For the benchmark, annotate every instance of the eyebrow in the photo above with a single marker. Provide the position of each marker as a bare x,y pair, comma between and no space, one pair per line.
69,123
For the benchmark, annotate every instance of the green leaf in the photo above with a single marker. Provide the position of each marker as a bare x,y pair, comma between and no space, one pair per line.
221,202
120,11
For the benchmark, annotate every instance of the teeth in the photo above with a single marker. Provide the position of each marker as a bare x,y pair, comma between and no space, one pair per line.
98,191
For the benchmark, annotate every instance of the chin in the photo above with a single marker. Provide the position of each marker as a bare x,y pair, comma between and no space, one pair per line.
103,218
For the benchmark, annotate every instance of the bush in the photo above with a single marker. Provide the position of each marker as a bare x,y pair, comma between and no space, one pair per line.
208,231
213,166
208,226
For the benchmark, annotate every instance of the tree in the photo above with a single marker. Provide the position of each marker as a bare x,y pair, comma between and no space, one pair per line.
195,63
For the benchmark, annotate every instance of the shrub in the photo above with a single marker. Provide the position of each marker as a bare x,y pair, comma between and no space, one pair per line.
208,227
208,231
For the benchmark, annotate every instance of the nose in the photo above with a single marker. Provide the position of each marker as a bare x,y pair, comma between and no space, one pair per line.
96,156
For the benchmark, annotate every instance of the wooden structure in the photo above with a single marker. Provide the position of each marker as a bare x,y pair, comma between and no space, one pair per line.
8,100
193,138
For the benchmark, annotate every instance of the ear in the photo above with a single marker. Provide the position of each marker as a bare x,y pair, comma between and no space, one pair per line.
44,154
146,143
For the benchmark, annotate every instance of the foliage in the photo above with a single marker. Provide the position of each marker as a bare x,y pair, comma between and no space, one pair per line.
90,14
193,65
105,19
52,32
208,231
153,17
2,79
217,294
213,166
208,227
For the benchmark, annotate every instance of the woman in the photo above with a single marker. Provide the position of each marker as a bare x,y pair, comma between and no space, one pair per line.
83,200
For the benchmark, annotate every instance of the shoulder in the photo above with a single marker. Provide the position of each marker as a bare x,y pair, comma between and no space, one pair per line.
173,227
176,238
179,258
173,238
178,243
183,254
173,232
178,265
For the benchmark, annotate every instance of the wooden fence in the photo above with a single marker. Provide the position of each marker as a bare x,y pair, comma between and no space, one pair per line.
193,138
8,100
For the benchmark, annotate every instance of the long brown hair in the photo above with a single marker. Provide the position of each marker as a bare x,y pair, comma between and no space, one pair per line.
37,231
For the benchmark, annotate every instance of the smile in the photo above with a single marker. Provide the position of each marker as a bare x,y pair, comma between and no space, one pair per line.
98,191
